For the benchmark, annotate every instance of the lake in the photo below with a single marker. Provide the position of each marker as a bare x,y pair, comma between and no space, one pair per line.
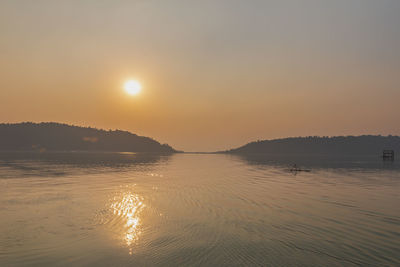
122,209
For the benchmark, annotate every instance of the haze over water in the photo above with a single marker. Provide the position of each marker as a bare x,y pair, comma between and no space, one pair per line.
215,74
108,209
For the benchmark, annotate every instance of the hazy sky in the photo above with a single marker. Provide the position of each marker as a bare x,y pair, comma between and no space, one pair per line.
215,74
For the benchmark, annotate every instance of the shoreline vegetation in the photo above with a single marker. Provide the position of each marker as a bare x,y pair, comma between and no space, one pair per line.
53,137
316,145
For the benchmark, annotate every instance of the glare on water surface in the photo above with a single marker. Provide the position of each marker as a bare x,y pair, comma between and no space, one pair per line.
127,207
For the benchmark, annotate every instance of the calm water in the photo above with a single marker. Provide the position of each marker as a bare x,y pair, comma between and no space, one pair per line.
81,209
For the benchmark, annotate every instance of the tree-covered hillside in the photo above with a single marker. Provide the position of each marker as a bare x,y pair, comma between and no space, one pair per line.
62,137
365,144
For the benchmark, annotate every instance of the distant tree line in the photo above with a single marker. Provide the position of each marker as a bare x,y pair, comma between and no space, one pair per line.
364,144
62,137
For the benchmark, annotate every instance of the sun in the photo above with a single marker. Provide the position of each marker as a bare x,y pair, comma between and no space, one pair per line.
132,87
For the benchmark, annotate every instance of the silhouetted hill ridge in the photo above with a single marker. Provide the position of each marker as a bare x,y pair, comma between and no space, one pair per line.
53,136
364,144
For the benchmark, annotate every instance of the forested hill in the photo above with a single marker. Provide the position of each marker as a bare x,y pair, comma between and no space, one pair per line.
365,144
62,137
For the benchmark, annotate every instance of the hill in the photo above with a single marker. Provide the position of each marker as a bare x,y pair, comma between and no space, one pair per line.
51,136
365,144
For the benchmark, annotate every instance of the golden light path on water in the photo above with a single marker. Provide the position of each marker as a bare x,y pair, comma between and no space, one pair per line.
127,207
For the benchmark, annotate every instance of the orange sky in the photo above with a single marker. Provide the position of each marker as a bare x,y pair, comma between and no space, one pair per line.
215,74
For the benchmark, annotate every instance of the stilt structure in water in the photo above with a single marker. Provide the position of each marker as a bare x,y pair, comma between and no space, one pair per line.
388,154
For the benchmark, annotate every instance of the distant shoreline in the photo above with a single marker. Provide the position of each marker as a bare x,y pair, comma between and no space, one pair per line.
337,145
58,137
50,136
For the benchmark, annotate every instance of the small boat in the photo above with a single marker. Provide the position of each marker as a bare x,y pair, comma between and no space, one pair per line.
297,169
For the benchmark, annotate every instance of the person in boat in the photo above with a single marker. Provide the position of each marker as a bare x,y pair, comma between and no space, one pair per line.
297,169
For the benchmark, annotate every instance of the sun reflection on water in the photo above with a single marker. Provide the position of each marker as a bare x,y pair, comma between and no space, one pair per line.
127,208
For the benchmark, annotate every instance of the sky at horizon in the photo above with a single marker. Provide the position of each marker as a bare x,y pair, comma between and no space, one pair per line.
215,74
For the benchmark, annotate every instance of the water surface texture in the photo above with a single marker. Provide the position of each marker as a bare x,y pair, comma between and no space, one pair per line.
108,209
